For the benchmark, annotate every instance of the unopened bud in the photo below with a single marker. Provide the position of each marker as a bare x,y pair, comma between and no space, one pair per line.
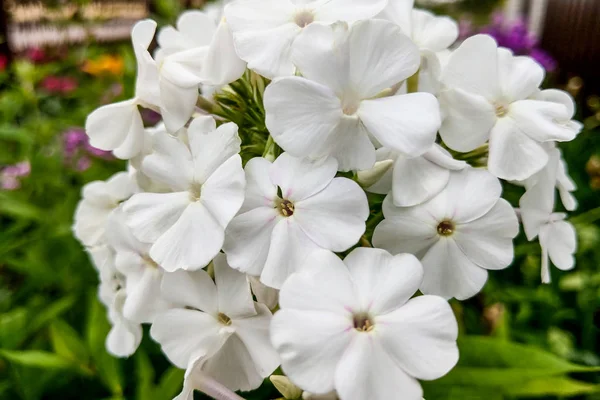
286,387
371,176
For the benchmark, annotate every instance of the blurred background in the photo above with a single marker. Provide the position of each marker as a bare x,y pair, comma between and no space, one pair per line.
59,60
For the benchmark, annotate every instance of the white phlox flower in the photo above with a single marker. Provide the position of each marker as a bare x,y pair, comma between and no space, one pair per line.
557,237
119,126
492,95
142,275
197,52
413,180
363,336
563,181
216,328
459,234
264,31
186,225
293,207
99,199
335,107
431,34
125,335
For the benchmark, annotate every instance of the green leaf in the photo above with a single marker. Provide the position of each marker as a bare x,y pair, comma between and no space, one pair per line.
488,352
440,392
97,327
37,359
12,325
170,383
50,313
145,375
554,386
66,343
487,362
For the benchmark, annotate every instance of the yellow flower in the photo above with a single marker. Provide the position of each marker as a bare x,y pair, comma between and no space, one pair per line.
105,65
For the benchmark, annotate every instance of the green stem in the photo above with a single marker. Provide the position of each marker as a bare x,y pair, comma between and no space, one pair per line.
587,217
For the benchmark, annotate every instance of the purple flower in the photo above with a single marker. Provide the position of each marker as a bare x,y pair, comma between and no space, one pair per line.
9,176
77,149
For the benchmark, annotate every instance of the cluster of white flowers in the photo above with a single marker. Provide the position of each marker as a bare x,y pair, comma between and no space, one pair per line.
383,145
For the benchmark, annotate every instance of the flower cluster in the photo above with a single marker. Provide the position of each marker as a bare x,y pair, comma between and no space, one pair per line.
383,150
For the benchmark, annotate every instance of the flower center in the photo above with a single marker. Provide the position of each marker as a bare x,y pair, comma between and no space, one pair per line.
286,208
501,110
304,18
195,191
363,322
224,319
445,228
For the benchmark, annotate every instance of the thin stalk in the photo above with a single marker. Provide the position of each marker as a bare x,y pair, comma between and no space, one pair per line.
587,217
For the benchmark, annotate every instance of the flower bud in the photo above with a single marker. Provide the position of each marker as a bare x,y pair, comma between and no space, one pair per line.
371,176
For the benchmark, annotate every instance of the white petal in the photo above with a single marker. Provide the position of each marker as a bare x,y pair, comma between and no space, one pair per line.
311,289
520,77
350,144
185,333
197,26
449,273
143,301
471,193
513,155
416,180
190,289
223,192
260,191
380,56
191,243
421,337
487,241
301,178
211,146
540,120
335,217
321,54
558,96
170,163
405,230
383,282
289,252
124,339
222,64
301,123
232,366
263,33
142,33
310,344
560,239
366,371
108,127
433,33
149,215
407,123
90,223
254,333
248,239
468,119
233,290
339,10
473,67
178,104
439,156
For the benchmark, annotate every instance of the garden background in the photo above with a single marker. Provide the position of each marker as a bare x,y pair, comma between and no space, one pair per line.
519,338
